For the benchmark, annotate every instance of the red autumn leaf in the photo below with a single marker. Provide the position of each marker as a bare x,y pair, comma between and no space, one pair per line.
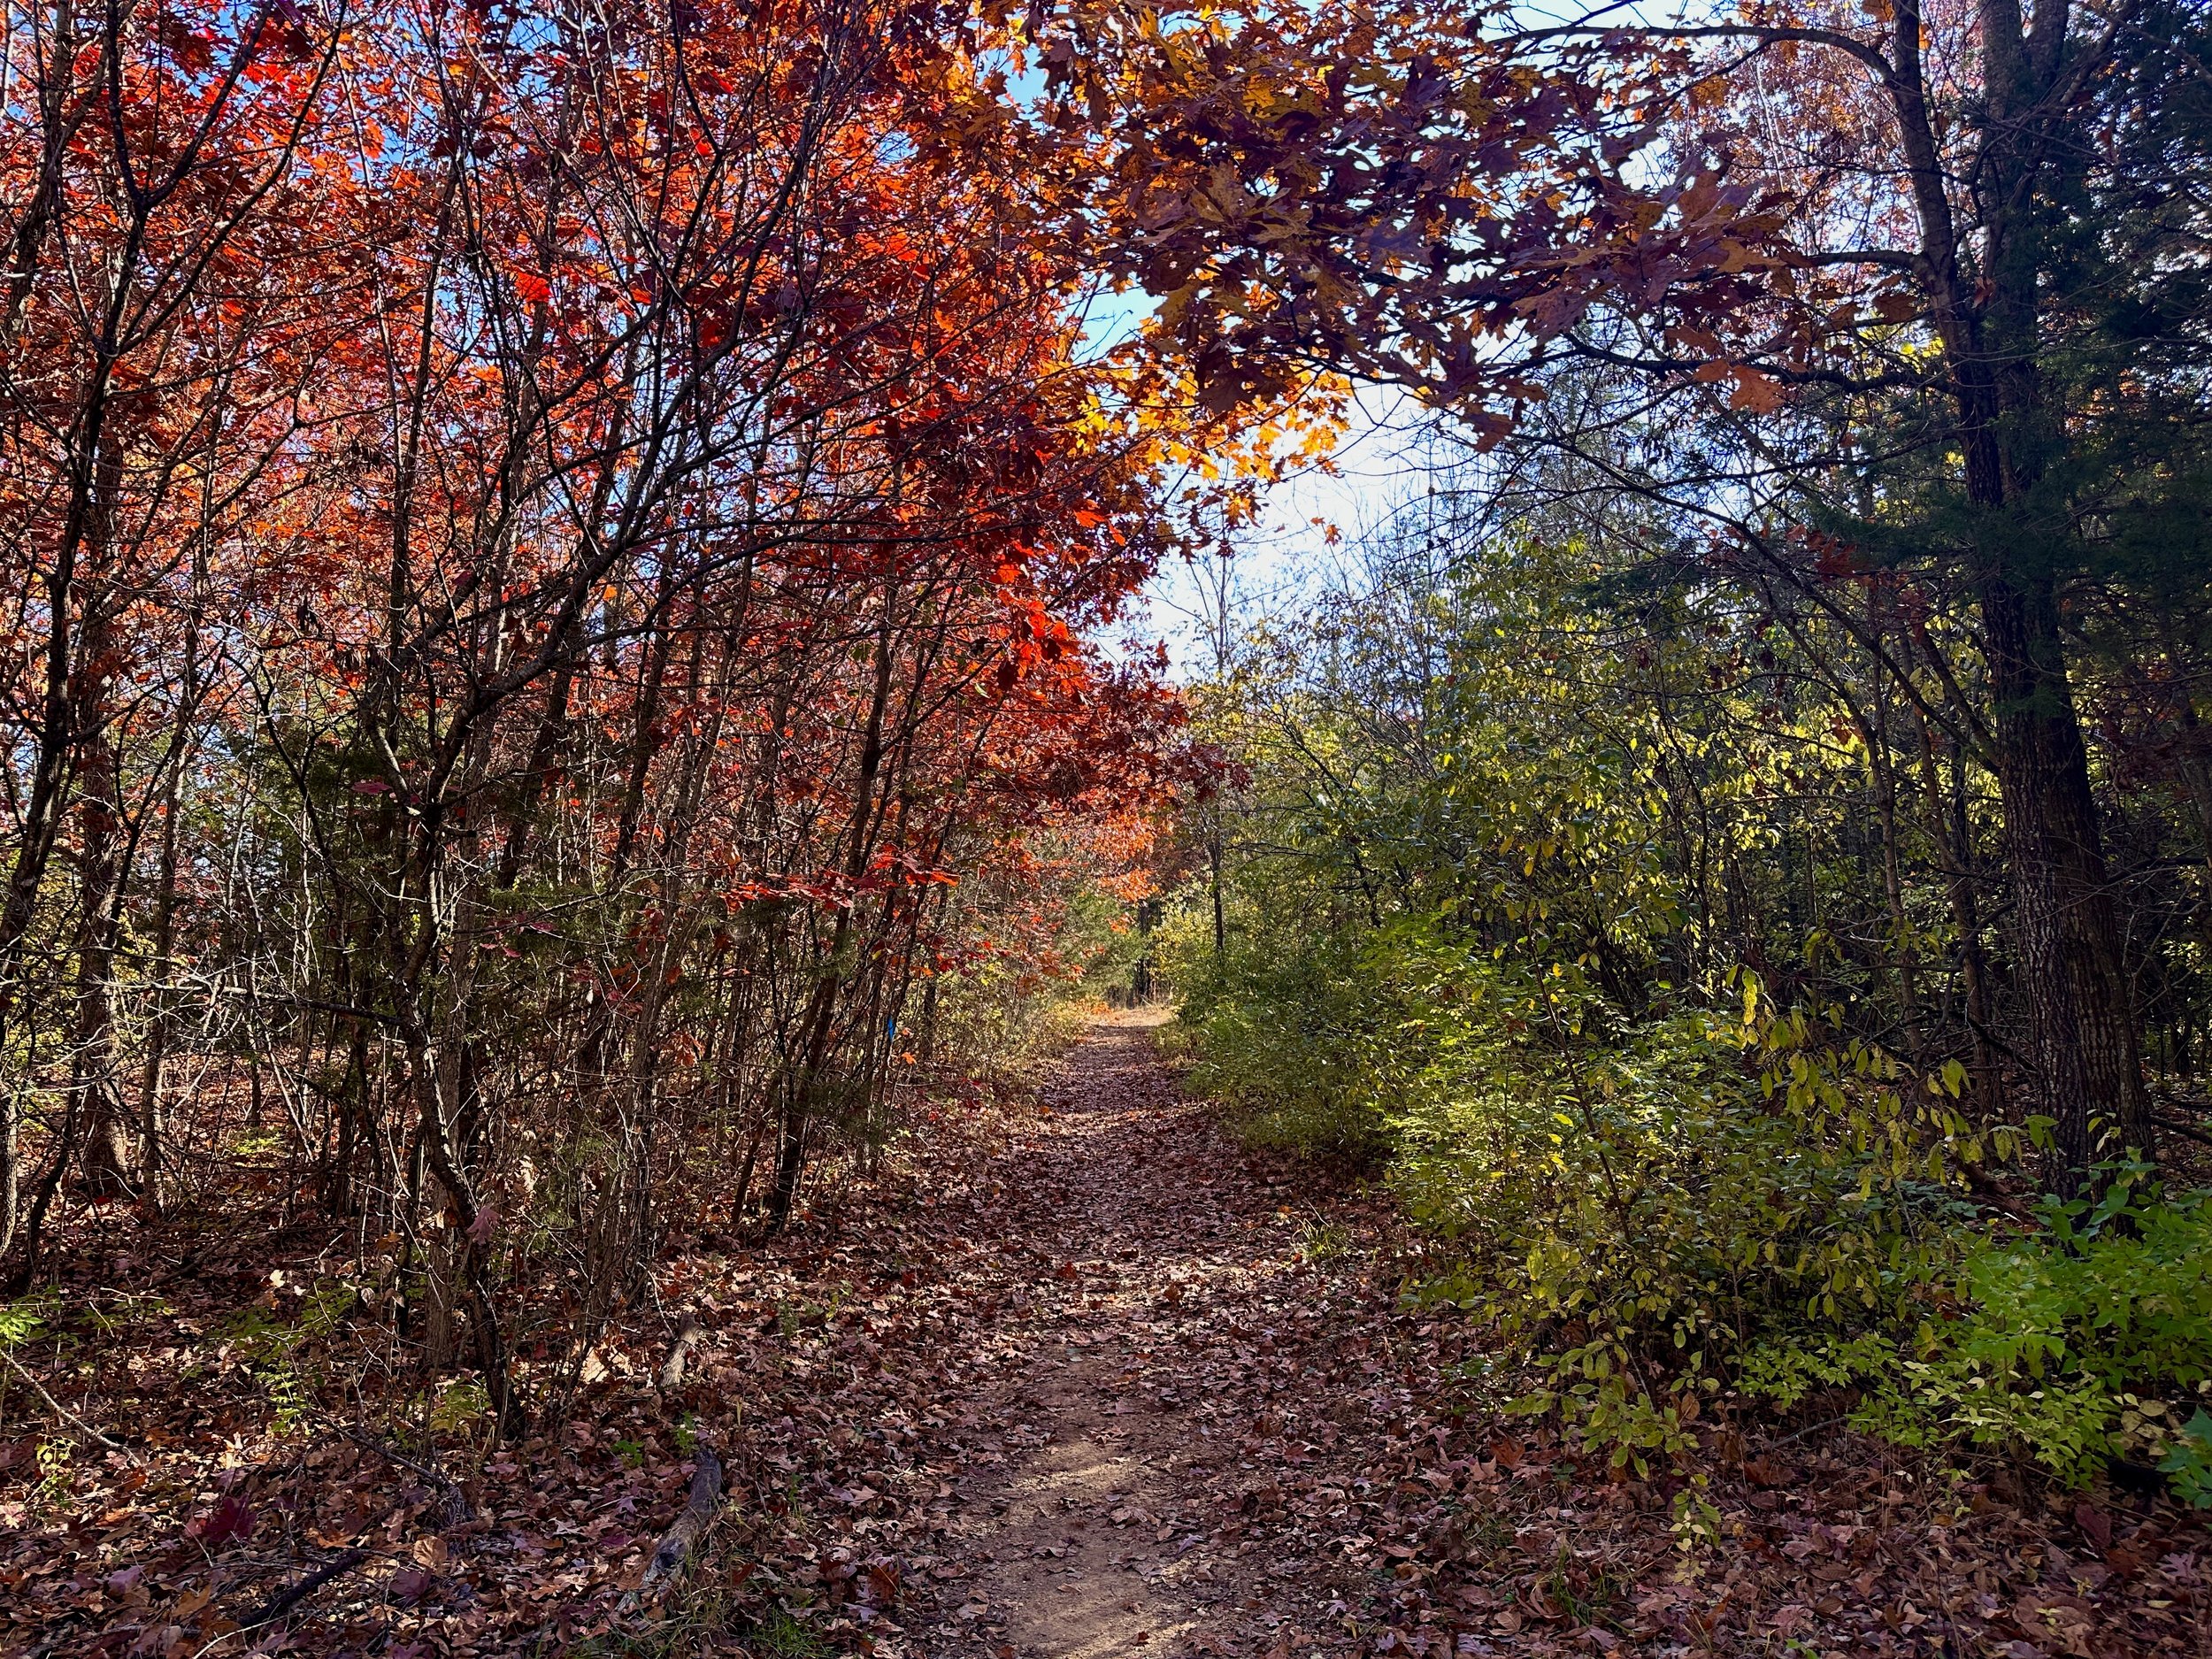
229,1519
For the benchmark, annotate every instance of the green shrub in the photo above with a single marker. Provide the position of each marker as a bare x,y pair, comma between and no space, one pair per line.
2188,1461
2081,1341
1277,1034
1498,828
1724,1200
1639,1208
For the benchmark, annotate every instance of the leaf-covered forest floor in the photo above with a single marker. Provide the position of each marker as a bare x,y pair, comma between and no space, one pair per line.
1074,1376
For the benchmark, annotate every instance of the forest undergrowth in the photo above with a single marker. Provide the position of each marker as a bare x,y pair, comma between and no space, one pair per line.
1608,931
220,1454
1073,1373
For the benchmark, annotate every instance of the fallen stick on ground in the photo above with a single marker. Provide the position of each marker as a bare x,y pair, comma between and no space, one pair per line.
671,1377
458,1509
57,1408
292,1596
682,1539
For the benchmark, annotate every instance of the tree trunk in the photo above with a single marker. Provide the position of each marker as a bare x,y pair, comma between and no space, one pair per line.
1956,842
801,1093
2072,971
2082,1022
93,1075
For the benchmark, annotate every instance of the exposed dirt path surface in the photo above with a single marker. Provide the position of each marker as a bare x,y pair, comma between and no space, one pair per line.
1178,1277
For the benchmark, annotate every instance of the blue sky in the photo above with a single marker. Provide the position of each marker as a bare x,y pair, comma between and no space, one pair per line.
1279,559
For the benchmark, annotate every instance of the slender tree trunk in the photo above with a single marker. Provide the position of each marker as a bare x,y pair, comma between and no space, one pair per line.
96,1078
1906,955
161,965
799,1100
94,1065
1213,872
1956,840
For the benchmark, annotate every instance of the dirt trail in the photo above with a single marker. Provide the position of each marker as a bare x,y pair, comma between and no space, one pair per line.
1201,1422
1178,1276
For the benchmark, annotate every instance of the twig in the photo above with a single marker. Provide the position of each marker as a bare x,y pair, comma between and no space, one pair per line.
2172,1128
1810,1428
671,1377
292,1596
59,1409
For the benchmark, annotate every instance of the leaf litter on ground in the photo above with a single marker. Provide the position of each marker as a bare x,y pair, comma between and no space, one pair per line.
1073,1375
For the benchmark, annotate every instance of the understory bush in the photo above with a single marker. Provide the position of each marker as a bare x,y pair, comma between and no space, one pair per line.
1719,1208
1576,909
2087,1338
1278,1039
